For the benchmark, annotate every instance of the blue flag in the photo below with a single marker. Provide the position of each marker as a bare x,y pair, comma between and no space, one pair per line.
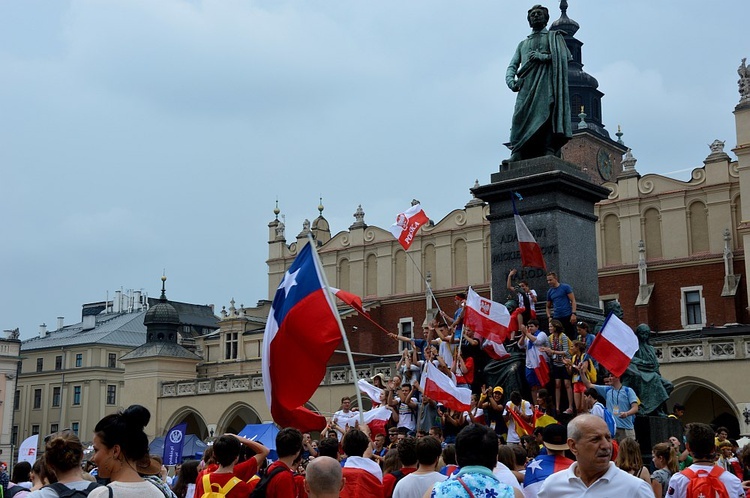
173,445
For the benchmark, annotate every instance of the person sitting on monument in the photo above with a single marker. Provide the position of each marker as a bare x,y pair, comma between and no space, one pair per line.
559,351
533,341
494,407
578,363
526,309
644,377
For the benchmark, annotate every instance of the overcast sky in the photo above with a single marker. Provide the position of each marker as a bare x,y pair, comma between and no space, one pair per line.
142,135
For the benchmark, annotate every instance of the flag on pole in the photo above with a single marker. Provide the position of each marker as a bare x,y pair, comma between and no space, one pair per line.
376,420
27,450
486,318
531,253
302,333
407,224
441,388
352,300
614,346
173,443
539,365
494,350
372,392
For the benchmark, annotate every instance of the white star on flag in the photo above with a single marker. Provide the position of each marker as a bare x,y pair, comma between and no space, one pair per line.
534,465
289,282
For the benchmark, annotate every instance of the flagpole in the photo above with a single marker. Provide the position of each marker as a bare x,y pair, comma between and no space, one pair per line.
331,301
429,288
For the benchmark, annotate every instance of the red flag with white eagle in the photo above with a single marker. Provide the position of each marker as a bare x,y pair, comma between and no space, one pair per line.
531,252
486,318
407,224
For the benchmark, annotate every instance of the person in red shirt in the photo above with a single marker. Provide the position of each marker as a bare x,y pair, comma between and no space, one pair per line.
226,452
407,453
243,470
288,447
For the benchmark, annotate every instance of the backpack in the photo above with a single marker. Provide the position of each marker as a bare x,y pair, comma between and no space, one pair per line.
13,490
398,474
214,490
65,492
609,419
705,484
262,486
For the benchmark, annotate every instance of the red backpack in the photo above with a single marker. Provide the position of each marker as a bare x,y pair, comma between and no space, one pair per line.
705,484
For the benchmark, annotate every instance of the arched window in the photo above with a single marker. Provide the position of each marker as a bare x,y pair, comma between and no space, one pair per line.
429,265
698,228
343,275
399,270
652,233
612,250
460,263
372,275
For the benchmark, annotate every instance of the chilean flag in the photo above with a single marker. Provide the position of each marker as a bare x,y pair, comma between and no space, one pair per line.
407,224
539,469
302,333
441,388
531,253
486,318
614,346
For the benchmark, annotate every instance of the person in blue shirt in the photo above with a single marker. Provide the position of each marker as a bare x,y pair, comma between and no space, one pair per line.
621,401
561,304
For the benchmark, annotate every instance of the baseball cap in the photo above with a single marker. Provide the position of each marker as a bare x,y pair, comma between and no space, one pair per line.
498,389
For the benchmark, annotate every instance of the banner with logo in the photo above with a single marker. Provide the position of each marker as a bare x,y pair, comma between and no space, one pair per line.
173,445
27,450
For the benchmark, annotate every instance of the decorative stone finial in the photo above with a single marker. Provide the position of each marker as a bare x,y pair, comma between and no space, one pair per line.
163,296
582,124
744,82
276,210
359,218
717,152
320,206
474,201
619,135
628,162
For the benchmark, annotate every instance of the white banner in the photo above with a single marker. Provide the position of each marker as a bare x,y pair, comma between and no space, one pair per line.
27,450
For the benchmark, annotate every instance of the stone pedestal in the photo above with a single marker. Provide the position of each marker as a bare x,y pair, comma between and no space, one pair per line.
652,430
558,208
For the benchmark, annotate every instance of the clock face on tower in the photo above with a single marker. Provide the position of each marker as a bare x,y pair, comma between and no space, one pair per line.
604,165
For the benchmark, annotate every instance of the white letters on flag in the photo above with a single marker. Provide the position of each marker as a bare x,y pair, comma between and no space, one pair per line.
407,224
27,450
441,388
486,318
614,346
531,253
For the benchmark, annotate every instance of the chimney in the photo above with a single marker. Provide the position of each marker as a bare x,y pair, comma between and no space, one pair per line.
117,304
43,330
60,322
89,322
138,305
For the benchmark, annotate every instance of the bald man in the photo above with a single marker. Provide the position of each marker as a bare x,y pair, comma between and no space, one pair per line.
323,478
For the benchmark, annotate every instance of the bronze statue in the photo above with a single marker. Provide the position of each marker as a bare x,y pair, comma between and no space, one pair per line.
644,378
539,73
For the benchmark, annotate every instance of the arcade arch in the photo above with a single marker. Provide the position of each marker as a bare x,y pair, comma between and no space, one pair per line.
236,417
195,423
705,402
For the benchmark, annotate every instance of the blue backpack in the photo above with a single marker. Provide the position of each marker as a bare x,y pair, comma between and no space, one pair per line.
609,419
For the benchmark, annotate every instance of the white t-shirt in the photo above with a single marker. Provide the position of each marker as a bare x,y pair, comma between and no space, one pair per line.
614,482
532,348
406,417
526,409
142,489
51,493
532,295
679,482
416,485
345,420
506,476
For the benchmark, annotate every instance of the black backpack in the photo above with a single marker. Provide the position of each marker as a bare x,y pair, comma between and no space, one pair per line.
13,490
265,477
398,474
65,492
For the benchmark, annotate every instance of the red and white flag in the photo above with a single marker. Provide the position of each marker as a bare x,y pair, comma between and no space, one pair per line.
494,350
376,420
614,346
352,300
372,392
531,253
486,318
301,334
407,224
539,365
441,388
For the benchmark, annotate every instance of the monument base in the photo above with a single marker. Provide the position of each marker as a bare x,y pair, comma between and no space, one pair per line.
556,201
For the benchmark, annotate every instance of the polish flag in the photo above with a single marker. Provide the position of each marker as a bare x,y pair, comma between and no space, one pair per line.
352,300
407,224
376,420
614,346
531,253
486,318
539,365
302,327
372,392
494,350
441,388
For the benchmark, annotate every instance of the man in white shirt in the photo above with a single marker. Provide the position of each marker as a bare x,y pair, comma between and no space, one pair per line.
406,407
593,475
701,445
522,409
415,485
344,417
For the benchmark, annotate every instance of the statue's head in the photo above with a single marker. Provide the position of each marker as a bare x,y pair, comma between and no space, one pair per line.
643,332
615,308
538,16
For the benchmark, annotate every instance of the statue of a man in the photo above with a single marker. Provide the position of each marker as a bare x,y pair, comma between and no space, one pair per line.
539,73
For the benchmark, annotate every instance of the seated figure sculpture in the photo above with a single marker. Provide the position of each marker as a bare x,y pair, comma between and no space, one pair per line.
644,378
